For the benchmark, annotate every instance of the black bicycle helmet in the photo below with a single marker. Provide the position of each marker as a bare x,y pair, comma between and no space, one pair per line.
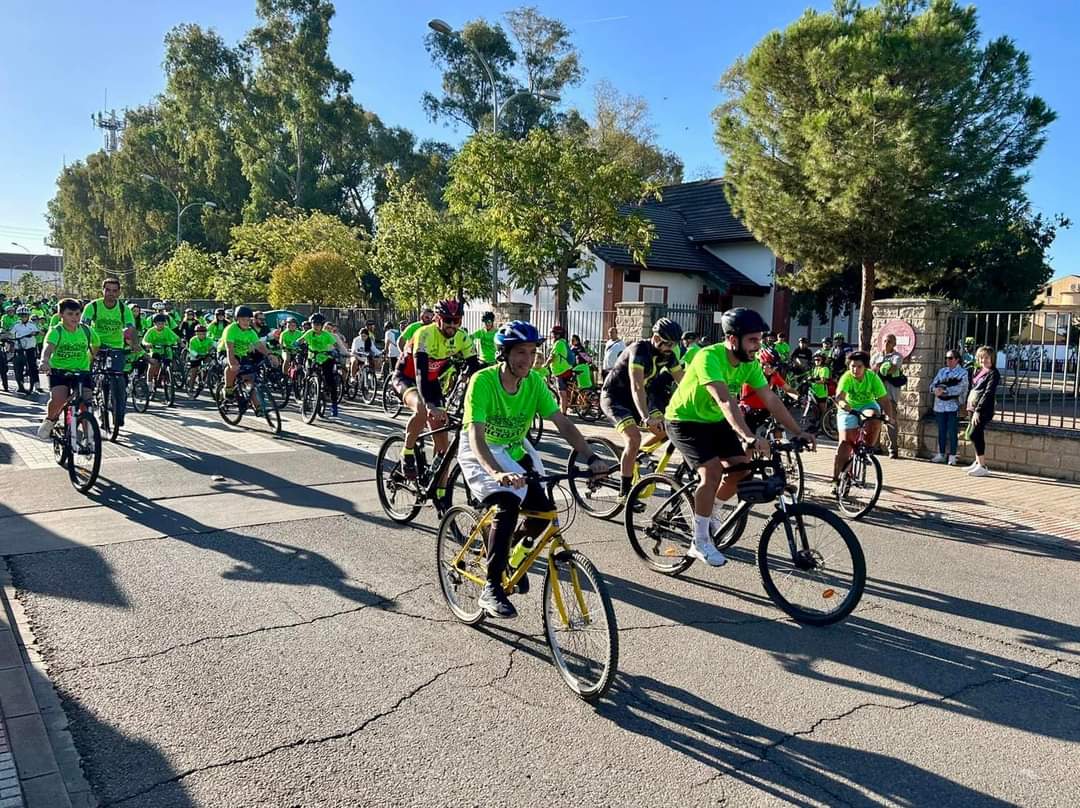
318,319
243,311
219,311
742,321
669,330
489,317
160,317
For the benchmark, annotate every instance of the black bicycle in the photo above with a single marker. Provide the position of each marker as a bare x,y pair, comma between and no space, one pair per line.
164,388
110,389
810,561
76,440
251,393
402,497
860,482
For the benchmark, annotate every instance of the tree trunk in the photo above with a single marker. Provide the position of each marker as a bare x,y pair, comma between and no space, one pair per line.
562,293
866,304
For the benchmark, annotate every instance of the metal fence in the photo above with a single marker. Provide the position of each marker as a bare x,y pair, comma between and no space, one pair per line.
1037,355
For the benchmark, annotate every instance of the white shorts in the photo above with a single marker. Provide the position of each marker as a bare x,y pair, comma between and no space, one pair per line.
480,482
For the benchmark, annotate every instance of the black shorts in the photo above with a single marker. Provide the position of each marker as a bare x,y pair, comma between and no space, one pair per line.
247,365
431,390
563,380
69,378
196,362
620,413
699,442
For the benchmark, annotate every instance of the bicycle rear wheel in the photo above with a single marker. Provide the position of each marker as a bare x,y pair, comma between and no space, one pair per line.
229,407
399,497
268,408
811,564
140,393
600,498
459,551
659,522
828,421
391,401
84,451
860,485
579,623
536,431
310,399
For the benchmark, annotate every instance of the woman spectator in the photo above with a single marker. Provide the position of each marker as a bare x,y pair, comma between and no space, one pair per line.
980,403
949,387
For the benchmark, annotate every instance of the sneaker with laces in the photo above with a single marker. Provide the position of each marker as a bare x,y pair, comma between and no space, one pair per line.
953,459
980,471
408,465
46,428
707,552
495,603
333,410
938,458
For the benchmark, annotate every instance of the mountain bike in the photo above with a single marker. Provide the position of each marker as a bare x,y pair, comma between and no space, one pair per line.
860,482
313,394
76,440
811,564
109,388
164,387
578,618
251,393
391,399
203,377
403,498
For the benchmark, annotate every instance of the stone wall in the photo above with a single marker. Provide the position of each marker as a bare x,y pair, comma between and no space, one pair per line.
1042,451
634,321
507,311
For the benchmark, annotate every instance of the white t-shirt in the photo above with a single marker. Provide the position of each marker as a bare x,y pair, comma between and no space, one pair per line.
612,349
23,334
391,340
358,345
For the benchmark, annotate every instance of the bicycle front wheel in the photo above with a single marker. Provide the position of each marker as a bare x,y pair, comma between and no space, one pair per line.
579,623
369,386
84,451
140,393
600,498
398,495
391,401
659,521
459,558
828,421
310,399
229,407
268,408
811,564
860,485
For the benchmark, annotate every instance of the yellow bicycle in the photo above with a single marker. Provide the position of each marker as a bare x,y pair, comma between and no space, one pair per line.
602,497
579,621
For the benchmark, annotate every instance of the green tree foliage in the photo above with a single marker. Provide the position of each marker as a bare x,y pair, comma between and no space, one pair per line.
543,200
188,274
319,278
886,137
425,254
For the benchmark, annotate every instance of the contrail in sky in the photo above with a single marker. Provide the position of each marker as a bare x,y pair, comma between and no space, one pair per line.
607,19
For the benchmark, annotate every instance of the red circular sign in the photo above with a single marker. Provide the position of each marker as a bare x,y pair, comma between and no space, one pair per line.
904,333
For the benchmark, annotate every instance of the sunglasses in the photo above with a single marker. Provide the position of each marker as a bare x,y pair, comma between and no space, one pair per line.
451,321
954,358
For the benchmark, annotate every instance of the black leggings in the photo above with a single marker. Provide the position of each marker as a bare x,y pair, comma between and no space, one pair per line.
330,378
978,432
507,510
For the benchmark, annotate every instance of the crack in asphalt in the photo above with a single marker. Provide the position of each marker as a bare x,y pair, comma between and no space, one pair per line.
301,742
746,621
378,604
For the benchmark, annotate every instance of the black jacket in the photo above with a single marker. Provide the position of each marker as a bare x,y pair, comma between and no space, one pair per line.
983,391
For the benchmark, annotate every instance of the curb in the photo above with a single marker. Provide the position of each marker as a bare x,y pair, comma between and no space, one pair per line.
48,764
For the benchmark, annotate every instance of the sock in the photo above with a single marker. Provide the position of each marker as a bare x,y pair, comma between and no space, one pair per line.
625,484
230,390
440,493
406,452
701,529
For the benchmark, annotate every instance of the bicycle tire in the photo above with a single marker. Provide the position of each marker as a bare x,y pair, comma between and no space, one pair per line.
200,382
590,679
140,393
857,467
448,543
352,388
598,498
228,406
269,408
795,474
60,446
280,388
391,401
796,516
536,431
828,421
369,386
170,388
390,480
82,477
672,520
310,399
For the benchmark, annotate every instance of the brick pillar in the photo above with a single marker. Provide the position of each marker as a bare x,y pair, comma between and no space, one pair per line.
929,318
506,311
634,320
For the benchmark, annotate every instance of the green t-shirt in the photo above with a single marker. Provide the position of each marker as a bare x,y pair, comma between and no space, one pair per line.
410,331
289,338
688,357
7,321
72,351
200,346
507,417
54,320
243,340
109,324
861,393
692,400
784,349
486,339
216,329
160,341
560,353
820,375
318,342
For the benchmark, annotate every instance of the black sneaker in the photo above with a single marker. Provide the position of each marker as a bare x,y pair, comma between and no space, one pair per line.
408,465
522,585
495,603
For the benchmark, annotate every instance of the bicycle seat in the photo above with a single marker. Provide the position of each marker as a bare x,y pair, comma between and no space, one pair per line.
758,491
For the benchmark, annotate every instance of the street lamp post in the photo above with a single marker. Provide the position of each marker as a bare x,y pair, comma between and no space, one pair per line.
180,211
443,27
30,268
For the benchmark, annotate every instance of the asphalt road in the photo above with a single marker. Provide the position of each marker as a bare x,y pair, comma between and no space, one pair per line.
268,638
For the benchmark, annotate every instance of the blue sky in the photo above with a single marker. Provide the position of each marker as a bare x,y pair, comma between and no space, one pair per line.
62,56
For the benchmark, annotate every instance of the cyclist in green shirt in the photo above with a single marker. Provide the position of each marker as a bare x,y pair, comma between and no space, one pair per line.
69,349
159,341
561,367
288,337
484,337
200,349
426,317
782,347
320,344
691,344
707,426
217,325
241,345
858,390
495,455
111,320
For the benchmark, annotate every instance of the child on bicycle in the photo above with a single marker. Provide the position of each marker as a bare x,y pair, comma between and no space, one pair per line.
821,377
159,341
200,349
70,347
859,390
495,456
755,410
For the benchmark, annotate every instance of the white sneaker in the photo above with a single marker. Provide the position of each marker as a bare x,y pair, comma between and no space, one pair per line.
938,458
46,428
980,471
953,460
707,552
973,465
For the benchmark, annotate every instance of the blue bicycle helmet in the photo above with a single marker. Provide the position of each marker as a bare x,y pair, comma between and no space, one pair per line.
517,332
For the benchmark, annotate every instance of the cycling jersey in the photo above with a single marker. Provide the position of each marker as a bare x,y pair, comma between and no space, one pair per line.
200,346
560,357
641,354
693,401
439,349
410,331
72,348
507,417
861,393
109,324
160,340
319,342
486,339
243,340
